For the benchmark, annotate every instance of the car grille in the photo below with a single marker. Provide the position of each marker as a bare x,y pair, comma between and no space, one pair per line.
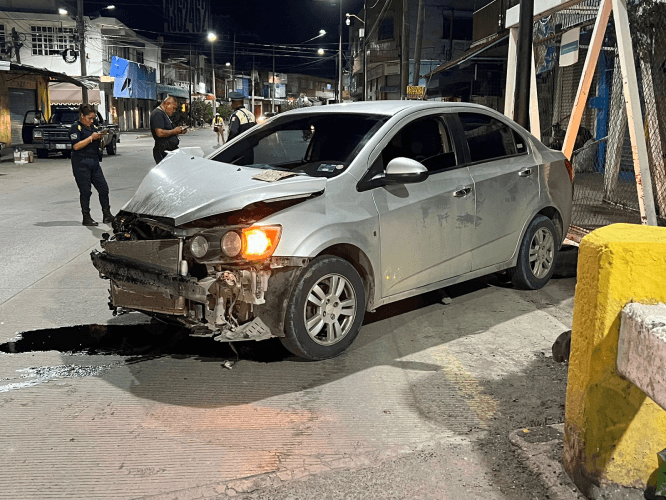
56,135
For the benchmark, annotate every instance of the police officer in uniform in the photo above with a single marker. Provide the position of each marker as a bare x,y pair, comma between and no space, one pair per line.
241,119
85,138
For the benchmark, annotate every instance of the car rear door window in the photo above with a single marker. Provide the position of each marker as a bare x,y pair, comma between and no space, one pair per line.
489,138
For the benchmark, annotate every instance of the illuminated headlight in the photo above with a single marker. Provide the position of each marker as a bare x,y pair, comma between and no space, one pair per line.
231,244
37,134
199,246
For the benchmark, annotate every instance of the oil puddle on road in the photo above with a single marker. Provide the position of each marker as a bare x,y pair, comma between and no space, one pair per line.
139,342
133,343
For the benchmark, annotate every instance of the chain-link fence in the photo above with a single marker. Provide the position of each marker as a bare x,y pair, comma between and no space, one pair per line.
605,189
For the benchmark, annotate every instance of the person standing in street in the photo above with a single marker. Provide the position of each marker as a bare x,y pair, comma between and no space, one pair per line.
218,126
85,137
241,119
164,133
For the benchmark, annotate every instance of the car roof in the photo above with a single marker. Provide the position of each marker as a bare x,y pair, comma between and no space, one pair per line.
388,108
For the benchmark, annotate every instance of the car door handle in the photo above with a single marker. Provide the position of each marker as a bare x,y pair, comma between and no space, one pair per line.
526,172
459,193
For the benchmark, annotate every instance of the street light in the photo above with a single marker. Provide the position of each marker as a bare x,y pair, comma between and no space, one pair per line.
211,38
321,33
348,22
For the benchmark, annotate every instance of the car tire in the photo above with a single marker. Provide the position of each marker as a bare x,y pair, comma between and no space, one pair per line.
317,325
42,153
111,148
66,154
537,255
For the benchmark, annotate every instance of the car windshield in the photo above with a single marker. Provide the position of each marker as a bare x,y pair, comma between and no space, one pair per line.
317,144
64,116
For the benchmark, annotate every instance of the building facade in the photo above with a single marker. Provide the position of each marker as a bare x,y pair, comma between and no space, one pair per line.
50,40
377,34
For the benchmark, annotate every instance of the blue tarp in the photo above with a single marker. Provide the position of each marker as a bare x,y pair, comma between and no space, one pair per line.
132,80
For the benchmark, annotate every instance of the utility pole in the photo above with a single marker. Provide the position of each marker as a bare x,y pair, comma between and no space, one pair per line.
404,50
189,87
233,64
16,45
419,43
273,84
212,65
252,81
340,57
365,50
524,63
80,28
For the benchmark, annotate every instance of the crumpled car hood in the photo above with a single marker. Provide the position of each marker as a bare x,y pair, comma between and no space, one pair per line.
186,188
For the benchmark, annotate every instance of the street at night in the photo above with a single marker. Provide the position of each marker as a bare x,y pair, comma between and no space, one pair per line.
332,249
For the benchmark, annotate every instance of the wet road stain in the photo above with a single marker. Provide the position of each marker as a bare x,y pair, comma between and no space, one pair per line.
39,374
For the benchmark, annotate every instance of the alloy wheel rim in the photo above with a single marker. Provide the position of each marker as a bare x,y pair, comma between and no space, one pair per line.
330,309
542,252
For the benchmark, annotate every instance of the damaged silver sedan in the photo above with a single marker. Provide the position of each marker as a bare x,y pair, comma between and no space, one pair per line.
298,226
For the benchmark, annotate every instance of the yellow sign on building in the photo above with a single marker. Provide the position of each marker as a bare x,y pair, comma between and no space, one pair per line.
415,91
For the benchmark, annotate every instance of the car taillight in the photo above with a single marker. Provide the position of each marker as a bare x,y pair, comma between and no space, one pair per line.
260,242
569,166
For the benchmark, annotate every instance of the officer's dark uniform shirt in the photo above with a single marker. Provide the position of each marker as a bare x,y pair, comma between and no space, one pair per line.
79,132
159,119
240,121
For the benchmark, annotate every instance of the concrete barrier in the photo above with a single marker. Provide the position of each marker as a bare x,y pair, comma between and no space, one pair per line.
641,353
613,431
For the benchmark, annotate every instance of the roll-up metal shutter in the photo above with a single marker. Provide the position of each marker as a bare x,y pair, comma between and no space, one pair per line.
20,101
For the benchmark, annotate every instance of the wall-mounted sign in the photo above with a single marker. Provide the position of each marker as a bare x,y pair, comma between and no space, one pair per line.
569,47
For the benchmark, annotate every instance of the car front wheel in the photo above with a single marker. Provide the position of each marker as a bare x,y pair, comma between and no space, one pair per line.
111,148
326,309
537,254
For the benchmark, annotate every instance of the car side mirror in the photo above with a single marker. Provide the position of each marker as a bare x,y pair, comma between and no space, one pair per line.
405,171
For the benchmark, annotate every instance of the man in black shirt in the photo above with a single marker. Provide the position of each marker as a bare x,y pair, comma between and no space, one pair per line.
164,133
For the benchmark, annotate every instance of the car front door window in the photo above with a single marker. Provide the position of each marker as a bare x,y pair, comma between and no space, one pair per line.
426,232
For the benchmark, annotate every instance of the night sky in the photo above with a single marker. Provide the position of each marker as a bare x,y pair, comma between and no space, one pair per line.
256,24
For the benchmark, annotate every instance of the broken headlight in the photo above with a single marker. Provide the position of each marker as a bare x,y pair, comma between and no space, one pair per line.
199,246
250,243
231,244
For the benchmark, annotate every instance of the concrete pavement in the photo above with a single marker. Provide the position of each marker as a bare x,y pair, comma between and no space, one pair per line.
421,406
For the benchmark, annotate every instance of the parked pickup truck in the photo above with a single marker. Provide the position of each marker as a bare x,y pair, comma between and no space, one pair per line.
53,136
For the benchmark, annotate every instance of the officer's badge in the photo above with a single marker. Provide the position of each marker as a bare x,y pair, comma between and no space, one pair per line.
73,136
79,128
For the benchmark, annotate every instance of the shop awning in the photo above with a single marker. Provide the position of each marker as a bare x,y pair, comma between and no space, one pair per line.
475,50
172,90
68,93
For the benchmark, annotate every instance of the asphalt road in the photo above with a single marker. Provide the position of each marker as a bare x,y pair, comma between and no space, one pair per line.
94,406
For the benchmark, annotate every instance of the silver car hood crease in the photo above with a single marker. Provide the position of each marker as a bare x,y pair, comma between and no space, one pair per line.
186,188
